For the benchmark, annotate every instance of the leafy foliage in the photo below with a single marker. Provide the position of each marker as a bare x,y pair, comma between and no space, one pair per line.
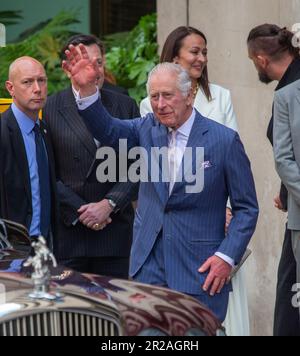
44,45
132,56
10,17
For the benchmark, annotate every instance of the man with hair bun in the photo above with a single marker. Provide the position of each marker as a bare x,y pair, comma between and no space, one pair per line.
275,58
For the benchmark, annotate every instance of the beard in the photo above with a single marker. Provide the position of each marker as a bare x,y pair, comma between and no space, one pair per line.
264,78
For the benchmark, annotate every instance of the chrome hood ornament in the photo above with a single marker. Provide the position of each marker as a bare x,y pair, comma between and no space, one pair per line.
41,275
4,243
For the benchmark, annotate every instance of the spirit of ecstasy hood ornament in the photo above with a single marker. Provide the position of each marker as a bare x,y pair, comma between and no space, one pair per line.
41,275
4,243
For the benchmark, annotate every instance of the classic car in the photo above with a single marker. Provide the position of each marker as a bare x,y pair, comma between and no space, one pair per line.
42,298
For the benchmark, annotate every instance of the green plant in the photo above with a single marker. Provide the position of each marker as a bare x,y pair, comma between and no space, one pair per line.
44,45
131,58
10,17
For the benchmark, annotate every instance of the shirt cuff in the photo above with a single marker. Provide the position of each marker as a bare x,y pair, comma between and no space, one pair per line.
225,258
84,103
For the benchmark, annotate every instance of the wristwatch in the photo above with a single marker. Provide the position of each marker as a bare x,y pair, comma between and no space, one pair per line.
113,205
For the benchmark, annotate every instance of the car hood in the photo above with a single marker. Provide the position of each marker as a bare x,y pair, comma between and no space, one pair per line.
137,305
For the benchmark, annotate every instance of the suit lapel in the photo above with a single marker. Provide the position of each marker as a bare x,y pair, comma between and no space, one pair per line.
51,164
19,151
70,112
160,140
197,139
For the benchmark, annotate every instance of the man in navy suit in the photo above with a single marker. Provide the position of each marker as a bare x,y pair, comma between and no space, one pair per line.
27,174
179,239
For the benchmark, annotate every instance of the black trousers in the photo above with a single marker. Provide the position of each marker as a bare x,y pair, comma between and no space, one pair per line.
286,318
117,267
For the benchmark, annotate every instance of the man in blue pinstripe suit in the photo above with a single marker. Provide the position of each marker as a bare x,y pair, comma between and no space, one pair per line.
179,237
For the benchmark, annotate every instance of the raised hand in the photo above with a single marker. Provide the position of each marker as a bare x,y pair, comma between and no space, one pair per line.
83,69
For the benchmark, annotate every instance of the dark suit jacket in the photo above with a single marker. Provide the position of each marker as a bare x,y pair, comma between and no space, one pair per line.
115,88
291,75
74,151
15,187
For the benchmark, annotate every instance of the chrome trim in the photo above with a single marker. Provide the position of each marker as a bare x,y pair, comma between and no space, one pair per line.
60,323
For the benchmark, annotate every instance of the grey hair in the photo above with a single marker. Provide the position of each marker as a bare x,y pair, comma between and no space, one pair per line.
184,83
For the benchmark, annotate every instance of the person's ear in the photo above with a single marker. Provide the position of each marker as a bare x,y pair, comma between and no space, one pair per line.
10,88
190,98
263,61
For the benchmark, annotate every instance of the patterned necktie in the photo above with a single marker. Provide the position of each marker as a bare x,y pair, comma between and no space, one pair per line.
172,161
44,182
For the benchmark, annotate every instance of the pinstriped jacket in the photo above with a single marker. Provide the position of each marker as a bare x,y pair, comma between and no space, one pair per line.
74,153
192,225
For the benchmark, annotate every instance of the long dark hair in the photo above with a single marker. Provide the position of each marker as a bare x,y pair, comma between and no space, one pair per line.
172,48
272,41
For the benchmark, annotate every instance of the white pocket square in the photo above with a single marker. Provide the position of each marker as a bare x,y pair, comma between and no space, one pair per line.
206,165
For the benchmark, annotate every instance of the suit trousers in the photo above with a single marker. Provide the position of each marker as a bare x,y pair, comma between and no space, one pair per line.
286,318
296,250
112,266
153,272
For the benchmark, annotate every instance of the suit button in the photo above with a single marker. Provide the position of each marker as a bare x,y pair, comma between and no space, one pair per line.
76,159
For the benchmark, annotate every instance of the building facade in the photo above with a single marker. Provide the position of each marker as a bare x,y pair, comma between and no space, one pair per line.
227,24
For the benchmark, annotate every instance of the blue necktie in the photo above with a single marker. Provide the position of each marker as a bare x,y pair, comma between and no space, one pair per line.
44,180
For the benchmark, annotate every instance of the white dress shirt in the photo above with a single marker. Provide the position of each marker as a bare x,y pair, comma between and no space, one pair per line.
84,103
177,144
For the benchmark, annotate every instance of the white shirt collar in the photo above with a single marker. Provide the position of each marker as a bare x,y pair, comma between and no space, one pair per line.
186,128
77,94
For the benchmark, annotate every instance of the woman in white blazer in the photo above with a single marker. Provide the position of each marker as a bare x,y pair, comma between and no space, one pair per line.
187,46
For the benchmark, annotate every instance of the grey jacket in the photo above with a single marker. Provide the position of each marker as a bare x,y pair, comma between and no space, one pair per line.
287,147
